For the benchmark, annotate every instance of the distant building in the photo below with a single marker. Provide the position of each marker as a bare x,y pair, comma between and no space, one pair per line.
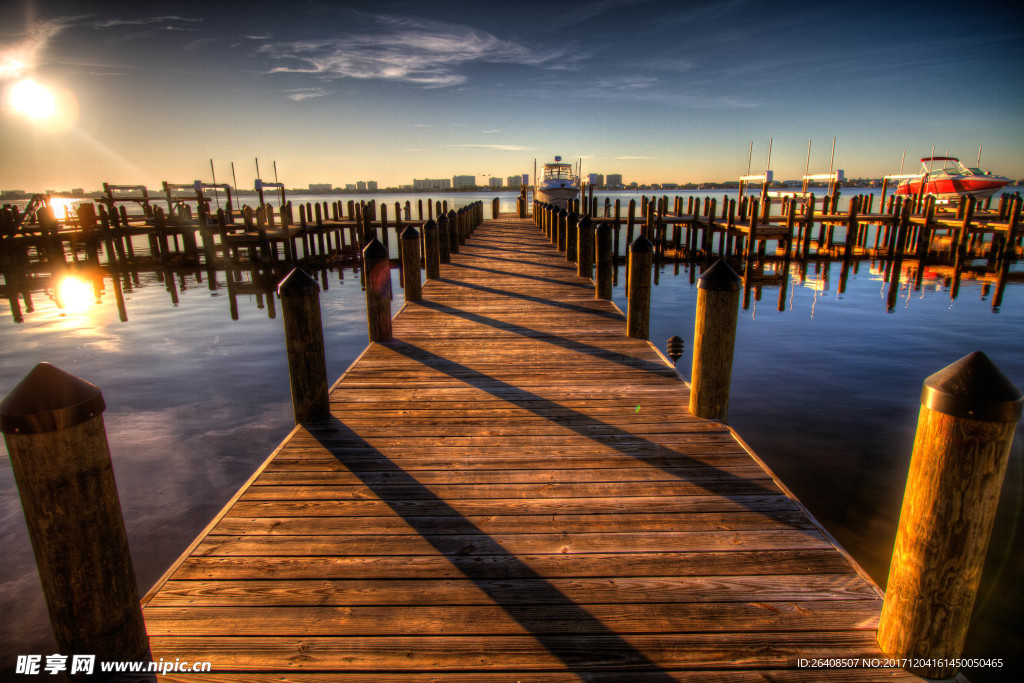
461,181
432,184
614,180
515,181
371,185
495,183
361,185
320,187
526,179
596,179
350,186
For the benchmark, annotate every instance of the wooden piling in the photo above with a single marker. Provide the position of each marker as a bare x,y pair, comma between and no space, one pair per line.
377,274
638,311
432,250
714,340
585,248
605,262
53,425
411,263
453,231
443,238
964,432
304,341
572,226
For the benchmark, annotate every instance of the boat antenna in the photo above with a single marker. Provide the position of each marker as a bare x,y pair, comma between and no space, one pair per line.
931,160
750,155
235,181
768,167
831,164
979,156
214,174
807,167
257,167
903,160
275,171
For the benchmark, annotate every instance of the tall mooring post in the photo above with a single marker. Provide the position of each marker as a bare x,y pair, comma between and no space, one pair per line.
585,248
714,340
53,425
432,249
377,273
605,261
638,310
304,341
964,431
410,243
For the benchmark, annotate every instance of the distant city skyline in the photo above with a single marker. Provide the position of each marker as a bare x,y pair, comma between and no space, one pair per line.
655,91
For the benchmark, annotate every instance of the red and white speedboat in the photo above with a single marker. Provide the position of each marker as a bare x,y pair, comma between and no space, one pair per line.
947,178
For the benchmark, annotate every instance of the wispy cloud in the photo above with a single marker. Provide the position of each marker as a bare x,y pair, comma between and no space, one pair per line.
23,56
489,132
168,21
502,148
423,52
622,158
300,94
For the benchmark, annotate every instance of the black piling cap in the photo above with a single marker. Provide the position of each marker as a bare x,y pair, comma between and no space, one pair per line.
49,399
586,223
719,278
564,213
641,245
443,218
430,224
604,228
297,283
374,250
410,233
973,388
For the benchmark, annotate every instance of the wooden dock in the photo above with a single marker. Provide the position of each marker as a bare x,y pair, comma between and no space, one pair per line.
513,490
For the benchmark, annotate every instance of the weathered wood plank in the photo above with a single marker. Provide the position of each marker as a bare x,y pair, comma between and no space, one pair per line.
824,591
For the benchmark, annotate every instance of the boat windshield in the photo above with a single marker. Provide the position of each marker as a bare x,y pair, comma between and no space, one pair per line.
947,167
558,171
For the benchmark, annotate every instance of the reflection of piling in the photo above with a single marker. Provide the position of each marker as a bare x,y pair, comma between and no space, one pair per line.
304,340
965,428
53,426
714,339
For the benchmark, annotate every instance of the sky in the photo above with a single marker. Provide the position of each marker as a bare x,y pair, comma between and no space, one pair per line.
336,92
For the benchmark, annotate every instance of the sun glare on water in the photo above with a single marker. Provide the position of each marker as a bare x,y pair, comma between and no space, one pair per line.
74,295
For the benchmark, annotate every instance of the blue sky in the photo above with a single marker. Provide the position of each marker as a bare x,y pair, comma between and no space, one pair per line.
391,91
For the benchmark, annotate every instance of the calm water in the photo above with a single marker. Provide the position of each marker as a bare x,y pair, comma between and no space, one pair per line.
825,390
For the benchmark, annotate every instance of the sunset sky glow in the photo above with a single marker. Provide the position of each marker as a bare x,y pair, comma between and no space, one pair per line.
391,91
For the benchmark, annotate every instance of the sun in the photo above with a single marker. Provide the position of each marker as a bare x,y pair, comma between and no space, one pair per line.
35,101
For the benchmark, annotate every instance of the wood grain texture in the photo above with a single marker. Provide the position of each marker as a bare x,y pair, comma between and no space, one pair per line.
511,488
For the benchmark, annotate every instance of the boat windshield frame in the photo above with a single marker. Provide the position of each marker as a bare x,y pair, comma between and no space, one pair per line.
558,172
950,166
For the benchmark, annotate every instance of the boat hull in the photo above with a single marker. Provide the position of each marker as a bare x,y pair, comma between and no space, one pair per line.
559,196
953,188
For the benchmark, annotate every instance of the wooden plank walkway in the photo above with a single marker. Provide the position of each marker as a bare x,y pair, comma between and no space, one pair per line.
513,490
